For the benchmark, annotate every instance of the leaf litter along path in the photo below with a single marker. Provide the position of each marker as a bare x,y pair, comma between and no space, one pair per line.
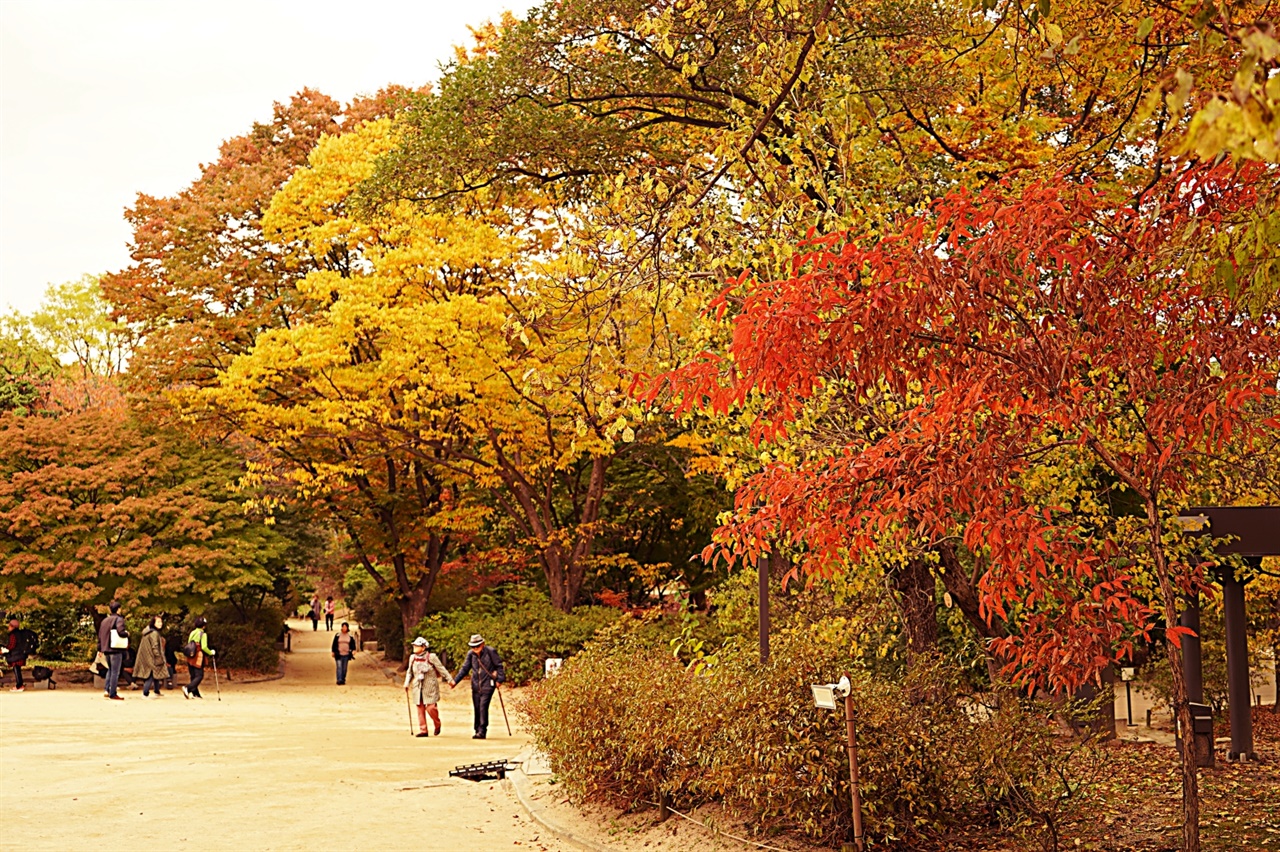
294,763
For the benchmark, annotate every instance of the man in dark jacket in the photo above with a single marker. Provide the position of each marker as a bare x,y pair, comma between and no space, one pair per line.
16,651
115,656
485,667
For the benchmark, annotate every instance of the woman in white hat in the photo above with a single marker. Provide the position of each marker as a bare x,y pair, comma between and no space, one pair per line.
422,684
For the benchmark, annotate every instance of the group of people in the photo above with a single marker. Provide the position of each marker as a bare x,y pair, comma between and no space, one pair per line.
328,608
425,672
154,662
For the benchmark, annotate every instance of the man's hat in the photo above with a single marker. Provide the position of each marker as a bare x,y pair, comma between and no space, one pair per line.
422,642
476,641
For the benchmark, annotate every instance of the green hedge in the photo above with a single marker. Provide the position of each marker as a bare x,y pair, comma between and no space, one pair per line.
244,641
625,723
521,624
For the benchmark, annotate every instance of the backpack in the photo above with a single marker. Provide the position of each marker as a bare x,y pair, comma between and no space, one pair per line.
192,648
28,644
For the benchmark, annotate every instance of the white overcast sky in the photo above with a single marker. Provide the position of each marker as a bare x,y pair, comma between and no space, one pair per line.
101,100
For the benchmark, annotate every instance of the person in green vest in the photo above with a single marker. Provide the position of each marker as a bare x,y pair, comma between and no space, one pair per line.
197,652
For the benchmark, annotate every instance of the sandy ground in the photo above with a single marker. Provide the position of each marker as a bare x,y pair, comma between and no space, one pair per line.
295,763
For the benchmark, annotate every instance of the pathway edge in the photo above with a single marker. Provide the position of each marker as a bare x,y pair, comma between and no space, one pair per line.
519,782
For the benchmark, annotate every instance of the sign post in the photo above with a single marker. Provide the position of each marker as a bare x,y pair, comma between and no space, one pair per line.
1126,675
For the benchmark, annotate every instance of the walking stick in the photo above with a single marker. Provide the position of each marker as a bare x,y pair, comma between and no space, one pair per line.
409,706
497,687
216,686
502,704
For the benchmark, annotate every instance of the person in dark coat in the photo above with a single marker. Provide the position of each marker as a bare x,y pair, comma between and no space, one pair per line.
115,656
16,653
150,665
485,667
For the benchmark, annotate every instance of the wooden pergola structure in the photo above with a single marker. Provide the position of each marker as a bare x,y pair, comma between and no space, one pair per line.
1251,532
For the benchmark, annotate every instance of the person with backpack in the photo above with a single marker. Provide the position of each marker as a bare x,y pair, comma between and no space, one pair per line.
314,615
344,648
150,665
422,684
113,641
197,650
485,667
21,645
328,613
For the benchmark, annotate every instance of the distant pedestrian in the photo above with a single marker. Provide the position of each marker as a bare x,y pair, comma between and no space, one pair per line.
150,665
197,651
113,641
328,613
315,619
21,644
344,648
422,684
485,667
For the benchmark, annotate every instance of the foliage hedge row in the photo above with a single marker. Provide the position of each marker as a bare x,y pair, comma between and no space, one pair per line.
244,640
626,722
521,624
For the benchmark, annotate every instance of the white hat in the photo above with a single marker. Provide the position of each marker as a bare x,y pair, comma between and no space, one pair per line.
476,641
420,641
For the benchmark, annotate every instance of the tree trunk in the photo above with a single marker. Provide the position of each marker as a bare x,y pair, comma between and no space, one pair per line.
1190,777
915,587
413,608
562,597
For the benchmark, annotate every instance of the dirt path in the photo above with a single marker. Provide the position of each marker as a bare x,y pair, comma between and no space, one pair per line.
294,763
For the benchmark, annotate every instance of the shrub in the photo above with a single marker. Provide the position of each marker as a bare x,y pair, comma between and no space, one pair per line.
522,625
66,632
247,639
626,722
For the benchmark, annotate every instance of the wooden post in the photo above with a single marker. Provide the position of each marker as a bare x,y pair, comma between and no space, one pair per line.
859,842
1238,689
762,569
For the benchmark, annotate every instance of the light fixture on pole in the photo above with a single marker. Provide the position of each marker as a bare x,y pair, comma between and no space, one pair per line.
827,696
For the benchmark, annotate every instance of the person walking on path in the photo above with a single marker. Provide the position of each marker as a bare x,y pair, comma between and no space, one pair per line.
314,615
328,614
20,645
197,650
344,648
422,684
485,667
113,641
150,664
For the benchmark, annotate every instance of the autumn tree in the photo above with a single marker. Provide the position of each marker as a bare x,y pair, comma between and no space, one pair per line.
205,281
1040,325
99,502
685,142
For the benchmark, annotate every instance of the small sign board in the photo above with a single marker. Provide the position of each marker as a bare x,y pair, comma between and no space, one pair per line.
553,666
1127,674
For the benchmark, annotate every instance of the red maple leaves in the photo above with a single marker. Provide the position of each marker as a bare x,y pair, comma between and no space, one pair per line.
966,347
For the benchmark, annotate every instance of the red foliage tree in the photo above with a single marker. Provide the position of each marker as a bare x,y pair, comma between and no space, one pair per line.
1054,321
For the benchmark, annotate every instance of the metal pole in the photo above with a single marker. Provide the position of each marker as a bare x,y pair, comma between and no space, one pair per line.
859,842
1237,668
1128,700
762,569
